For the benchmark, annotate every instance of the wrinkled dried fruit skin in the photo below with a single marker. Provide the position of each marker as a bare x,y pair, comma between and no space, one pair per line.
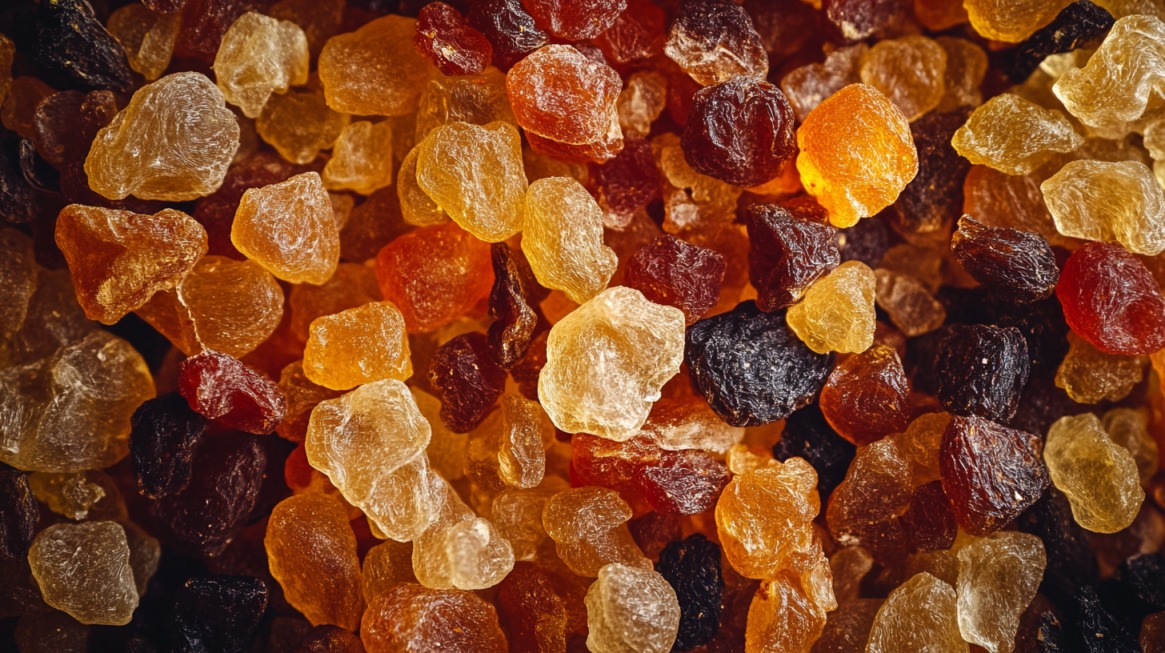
751,368
218,613
185,163
510,30
1080,24
935,195
18,515
1098,476
559,94
67,38
466,380
982,370
412,619
375,70
162,444
575,20
867,396
837,312
991,473
454,46
715,41
739,131
636,34
1111,300
223,389
360,345
807,86
692,567
627,183
786,254
677,273
920,614
83,569
631,609
1016,265
562,239
1099,200
512,307
1090,376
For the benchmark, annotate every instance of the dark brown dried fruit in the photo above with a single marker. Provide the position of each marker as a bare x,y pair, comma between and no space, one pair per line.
512,304
67,38
982,370
454,46
935,196
1011,264
673,272
786,254
162,444
509,28
867,396
466,380
18,515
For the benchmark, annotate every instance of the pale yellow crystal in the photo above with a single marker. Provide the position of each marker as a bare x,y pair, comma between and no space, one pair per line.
1090,376
459,549
83,570
260,55
416,207
361,159
1013,135
998,577
148,38
920,615
1108,201
1099,477
563,239
290,229
631,610
837,311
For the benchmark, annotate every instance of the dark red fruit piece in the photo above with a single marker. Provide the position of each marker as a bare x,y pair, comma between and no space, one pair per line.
684,482
807,435
219,614
575,20
990,473
67,38
982,370
857,19
674,272
637,33
934,197
222,388
867,396
1080,25
929,521
511,305
162,444
509,28
692,567
446,38
1011,264
205,21
786,254
751,368
739,131
526,371
1111,300
19,515
627,183
466,380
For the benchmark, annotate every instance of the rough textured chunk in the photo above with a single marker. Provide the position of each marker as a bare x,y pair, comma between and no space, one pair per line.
807,86
714,41
909,71
511,306
1118,201
466,380
1014,135
361,159
223,389
1098,476
412,619
474,174
298,124
510,30
935,196
559,94
855,182
1080,24
83,569
218,613
1129,427
18,515
290,229
677,273
692,567
982,370
588,526
998,578
631,610
312,553
1090,376
476,99
376,70
165,434
67,38
784,616
1011,22
636,34
1016,265
260,56
867,396
837,311
460,550
919,615
786,254
444,36
119,259
182,121
607,361
563,239
751,368
357,346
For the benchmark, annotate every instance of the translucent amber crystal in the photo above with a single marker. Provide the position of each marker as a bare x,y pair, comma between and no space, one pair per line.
561,95
353,285
715,41
84,570
998,578
311,551
782,617
909,71
460,549
837,311
409,618
1108,201
631,609
299,123
476,99
1099,477
1011,22
1014,135
920,614
302,396
361,159
173,142
851,181
385,565
416,207
607,361
376,70
260,55
148,38
119,259
357,346
290,229
641,101
588,526
1090,376
562,238
474,174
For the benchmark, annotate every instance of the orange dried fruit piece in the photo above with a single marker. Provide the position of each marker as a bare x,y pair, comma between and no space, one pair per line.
837,311
376,70
358,346
857,153
290,229
412,619
259,56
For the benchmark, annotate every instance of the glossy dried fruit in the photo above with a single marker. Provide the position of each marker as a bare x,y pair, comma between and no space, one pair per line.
374,71
218,613
677,273
588,527
259,56
867,396
631,609
67,38
290,229
162,444
807,86
444,36
509,28
715,41
562,239
982,370
83,570
466,380
1080,24
221,388
357,346
559,94
1098,476
636,34
786,254
511,305
412,619
909,71
575,20
1013,264
1098,200
836,313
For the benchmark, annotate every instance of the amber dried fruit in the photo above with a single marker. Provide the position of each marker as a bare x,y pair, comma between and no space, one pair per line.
1016,265
1098,475
298,124
1099,200
1009,22
1014,135
990,473
508,27
677,273
446,38
909,71
631,609
259,56
836,313
1090,376
919,614
538,610
1111,300
223,389
412,619
374,71
588,526
119,259
183,164
714,41
807,86
559,94
83,569
562,239
311,550
998,578
786,254
361,159
360,345
867,396
982,370
855,182
476,99
460,549
636,34
858,19
739,131
466,380
290,229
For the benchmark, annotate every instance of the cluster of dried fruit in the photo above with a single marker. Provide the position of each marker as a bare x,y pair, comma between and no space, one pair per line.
630,326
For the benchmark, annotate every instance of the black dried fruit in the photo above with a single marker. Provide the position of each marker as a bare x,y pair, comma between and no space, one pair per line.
807,435
786,254
218,614
162,443
467,381
510,30
751,368
929,521
1079,25
1139,585
934,197
1071,563
982,370
68,39
1011,264
692,567
1099,630
18,515
510,305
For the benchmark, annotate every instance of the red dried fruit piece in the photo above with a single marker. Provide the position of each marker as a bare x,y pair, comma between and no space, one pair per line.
222,388
560,94
1111,300
575,20
627,183
990,473
929,521
509,28
539,611
786,254
444,36
739,131
674,272
635,35
434,275
466,380
867,396
512,304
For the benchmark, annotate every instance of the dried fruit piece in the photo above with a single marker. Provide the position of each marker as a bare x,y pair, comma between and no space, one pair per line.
966,69
219,613
311,550
908,303
444,36
1013,264
1090,376
474,174
837,311
1000,20
1129,427
787,253
83,570
1099,476
510,305
919,614
692,567
376,70
1014,135
739,131
509,28
67,38
412,619
853,183
538,610
357,346
627,184
1080,24
148,38
867,396
165,434
290,229
183,164
909,71
935,196
783,616
119,259
361,159
18,515
635,35
715,41
259,56
575,20
631,609
1111,300
476,99
559,94
998,578
1099,200
982,370
751,368
466,380
677,273
606,362
416,207
563,239
588,526
807,86
460,549
223,389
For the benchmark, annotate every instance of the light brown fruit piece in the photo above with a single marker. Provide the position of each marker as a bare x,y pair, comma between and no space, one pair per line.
259,56
476,99
1099,477
808,86
641,102
1014,135
1090,376
83,570
299,123
1109,201
837,311
563,239
782,617
290,229
357,346
909,71
376,70
414,619
75,494
631,609
385,565
966,68
361,159
909,304
148,38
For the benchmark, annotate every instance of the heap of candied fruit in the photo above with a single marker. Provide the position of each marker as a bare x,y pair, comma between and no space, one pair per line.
552,326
